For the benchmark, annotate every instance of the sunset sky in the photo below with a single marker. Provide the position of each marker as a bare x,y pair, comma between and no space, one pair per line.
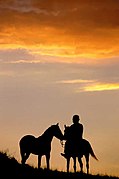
59,58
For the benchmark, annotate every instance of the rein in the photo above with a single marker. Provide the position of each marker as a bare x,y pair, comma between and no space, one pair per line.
62,144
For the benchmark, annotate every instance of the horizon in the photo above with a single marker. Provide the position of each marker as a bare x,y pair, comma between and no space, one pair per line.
58,59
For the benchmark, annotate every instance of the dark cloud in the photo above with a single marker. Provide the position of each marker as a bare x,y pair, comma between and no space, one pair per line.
58,12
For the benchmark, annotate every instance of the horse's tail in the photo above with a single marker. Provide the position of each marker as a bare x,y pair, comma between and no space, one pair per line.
92,153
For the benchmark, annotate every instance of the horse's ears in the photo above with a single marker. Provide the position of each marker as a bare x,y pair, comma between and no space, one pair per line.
65,126
57,124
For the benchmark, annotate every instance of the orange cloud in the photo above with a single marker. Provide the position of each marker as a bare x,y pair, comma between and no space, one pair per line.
91,85
102,87
76,81
73,29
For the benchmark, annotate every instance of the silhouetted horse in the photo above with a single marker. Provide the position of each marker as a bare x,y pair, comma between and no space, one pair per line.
83,148
39,146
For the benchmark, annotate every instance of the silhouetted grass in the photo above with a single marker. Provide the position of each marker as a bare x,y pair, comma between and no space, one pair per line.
11,168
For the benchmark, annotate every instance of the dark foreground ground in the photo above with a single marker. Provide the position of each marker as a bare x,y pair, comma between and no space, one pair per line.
10,168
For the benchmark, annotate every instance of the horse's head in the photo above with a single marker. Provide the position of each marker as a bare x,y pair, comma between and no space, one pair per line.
57,131
66,132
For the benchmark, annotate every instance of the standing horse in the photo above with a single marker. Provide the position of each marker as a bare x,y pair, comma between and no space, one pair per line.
72,151
39,146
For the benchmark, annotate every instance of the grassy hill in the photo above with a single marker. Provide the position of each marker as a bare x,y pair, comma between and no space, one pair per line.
10,168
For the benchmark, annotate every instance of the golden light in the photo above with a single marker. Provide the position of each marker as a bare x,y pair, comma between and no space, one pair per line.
101,87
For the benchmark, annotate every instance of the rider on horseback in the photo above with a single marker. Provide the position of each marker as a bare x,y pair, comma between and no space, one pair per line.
74,136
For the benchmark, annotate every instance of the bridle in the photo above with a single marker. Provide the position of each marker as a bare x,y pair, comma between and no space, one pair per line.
62,143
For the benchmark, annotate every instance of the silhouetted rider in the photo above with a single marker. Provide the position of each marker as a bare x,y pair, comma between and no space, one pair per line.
75,134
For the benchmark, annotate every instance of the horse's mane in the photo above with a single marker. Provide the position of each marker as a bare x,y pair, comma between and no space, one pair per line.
67,132
48,129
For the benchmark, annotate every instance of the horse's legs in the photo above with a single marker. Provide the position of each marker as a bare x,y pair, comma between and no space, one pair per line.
24,157
48,161
87,163
39,161
68,162
81,163
74,158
